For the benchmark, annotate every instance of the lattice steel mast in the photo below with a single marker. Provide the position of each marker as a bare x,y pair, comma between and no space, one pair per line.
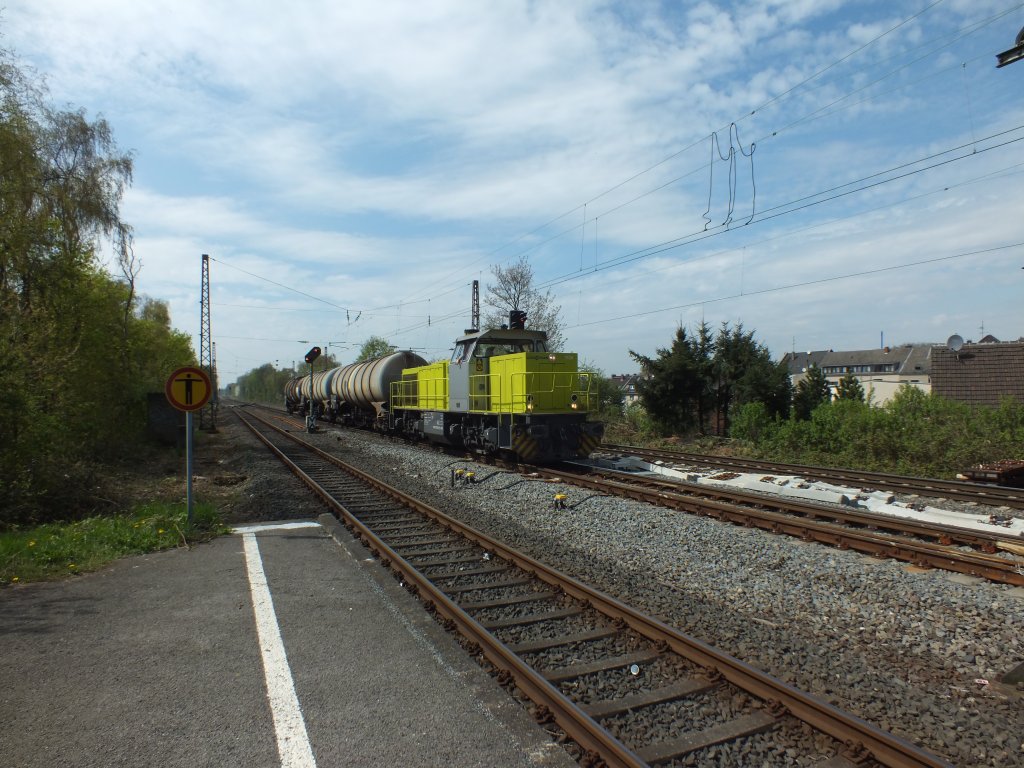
215,398
208,413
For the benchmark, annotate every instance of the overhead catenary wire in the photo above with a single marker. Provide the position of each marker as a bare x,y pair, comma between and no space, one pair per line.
792,206
677,153
701,235
816,114
696,236
641,275
281,285
679,265
803,284
779,210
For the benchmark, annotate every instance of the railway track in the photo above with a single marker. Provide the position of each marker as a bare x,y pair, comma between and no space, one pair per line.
922,544
628,689
926,545
980,493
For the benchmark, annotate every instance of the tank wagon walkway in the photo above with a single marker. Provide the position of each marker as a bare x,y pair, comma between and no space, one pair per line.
279,645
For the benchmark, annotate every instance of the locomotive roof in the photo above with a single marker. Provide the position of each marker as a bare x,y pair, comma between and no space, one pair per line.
503,333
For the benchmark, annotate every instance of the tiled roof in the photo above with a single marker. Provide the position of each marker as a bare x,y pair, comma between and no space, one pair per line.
625,381
902,360
799,362
919,360
909,359
979,374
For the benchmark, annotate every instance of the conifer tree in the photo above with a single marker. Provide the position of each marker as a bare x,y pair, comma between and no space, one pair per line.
811,391
850,388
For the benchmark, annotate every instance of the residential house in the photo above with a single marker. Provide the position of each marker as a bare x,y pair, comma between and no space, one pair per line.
627,383
880,371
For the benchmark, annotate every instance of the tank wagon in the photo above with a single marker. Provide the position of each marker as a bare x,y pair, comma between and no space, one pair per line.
502,391
355,394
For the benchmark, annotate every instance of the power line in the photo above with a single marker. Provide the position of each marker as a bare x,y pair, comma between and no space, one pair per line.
340,308
282,285
793,206
803,284
850,55
678,242
676,154
816,114
640,275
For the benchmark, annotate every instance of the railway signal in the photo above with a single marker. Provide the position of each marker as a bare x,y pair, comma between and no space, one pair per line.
311,357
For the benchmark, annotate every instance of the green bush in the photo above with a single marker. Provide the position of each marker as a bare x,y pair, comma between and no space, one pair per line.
914,433
632,426
752,423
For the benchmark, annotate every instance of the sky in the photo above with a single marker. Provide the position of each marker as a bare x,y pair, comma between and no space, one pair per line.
831,174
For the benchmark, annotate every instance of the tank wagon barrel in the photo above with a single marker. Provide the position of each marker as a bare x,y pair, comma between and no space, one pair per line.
369,382
357,393
321,384
292,396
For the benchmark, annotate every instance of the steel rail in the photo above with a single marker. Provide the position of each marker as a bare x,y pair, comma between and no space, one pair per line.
569,717
944,534
960,490
859,735
918,553
995,569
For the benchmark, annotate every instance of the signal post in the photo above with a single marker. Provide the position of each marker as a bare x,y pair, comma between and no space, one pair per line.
311,357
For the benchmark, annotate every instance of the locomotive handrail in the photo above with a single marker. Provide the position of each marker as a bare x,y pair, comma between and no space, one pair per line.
420,392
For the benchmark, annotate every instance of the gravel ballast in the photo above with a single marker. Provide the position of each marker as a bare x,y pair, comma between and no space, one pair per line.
915,652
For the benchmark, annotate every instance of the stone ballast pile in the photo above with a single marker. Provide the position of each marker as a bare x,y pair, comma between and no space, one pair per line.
914,652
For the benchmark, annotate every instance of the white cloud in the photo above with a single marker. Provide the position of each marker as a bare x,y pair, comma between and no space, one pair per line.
374,153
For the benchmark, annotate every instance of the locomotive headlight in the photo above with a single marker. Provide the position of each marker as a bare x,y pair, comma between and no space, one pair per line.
551,358
529,402
573,402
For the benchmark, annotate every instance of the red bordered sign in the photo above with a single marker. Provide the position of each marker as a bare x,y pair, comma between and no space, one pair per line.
188,389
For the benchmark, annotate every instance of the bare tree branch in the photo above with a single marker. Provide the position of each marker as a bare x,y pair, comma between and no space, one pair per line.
513,289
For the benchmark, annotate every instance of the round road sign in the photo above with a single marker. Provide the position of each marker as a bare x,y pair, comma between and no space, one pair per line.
188,389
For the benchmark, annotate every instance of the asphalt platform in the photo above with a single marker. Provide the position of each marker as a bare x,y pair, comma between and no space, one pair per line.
273,646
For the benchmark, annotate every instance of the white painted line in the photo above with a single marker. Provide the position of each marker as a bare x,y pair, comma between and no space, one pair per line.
275,526
292,740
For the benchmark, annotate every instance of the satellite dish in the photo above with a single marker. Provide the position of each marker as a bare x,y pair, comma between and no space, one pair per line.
955,342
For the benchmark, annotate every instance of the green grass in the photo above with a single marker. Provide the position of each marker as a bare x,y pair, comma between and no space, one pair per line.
56,550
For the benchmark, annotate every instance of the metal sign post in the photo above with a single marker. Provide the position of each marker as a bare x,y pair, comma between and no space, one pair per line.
188,467
188,389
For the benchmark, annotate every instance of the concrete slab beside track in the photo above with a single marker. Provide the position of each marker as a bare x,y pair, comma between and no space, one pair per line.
156,661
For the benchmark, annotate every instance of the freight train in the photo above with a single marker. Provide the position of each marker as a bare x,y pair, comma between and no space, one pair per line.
502,392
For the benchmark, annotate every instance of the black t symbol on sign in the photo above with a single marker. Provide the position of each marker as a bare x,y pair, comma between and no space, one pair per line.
189,380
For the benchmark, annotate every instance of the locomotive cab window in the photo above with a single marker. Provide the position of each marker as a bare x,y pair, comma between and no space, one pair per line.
492,347
495,347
